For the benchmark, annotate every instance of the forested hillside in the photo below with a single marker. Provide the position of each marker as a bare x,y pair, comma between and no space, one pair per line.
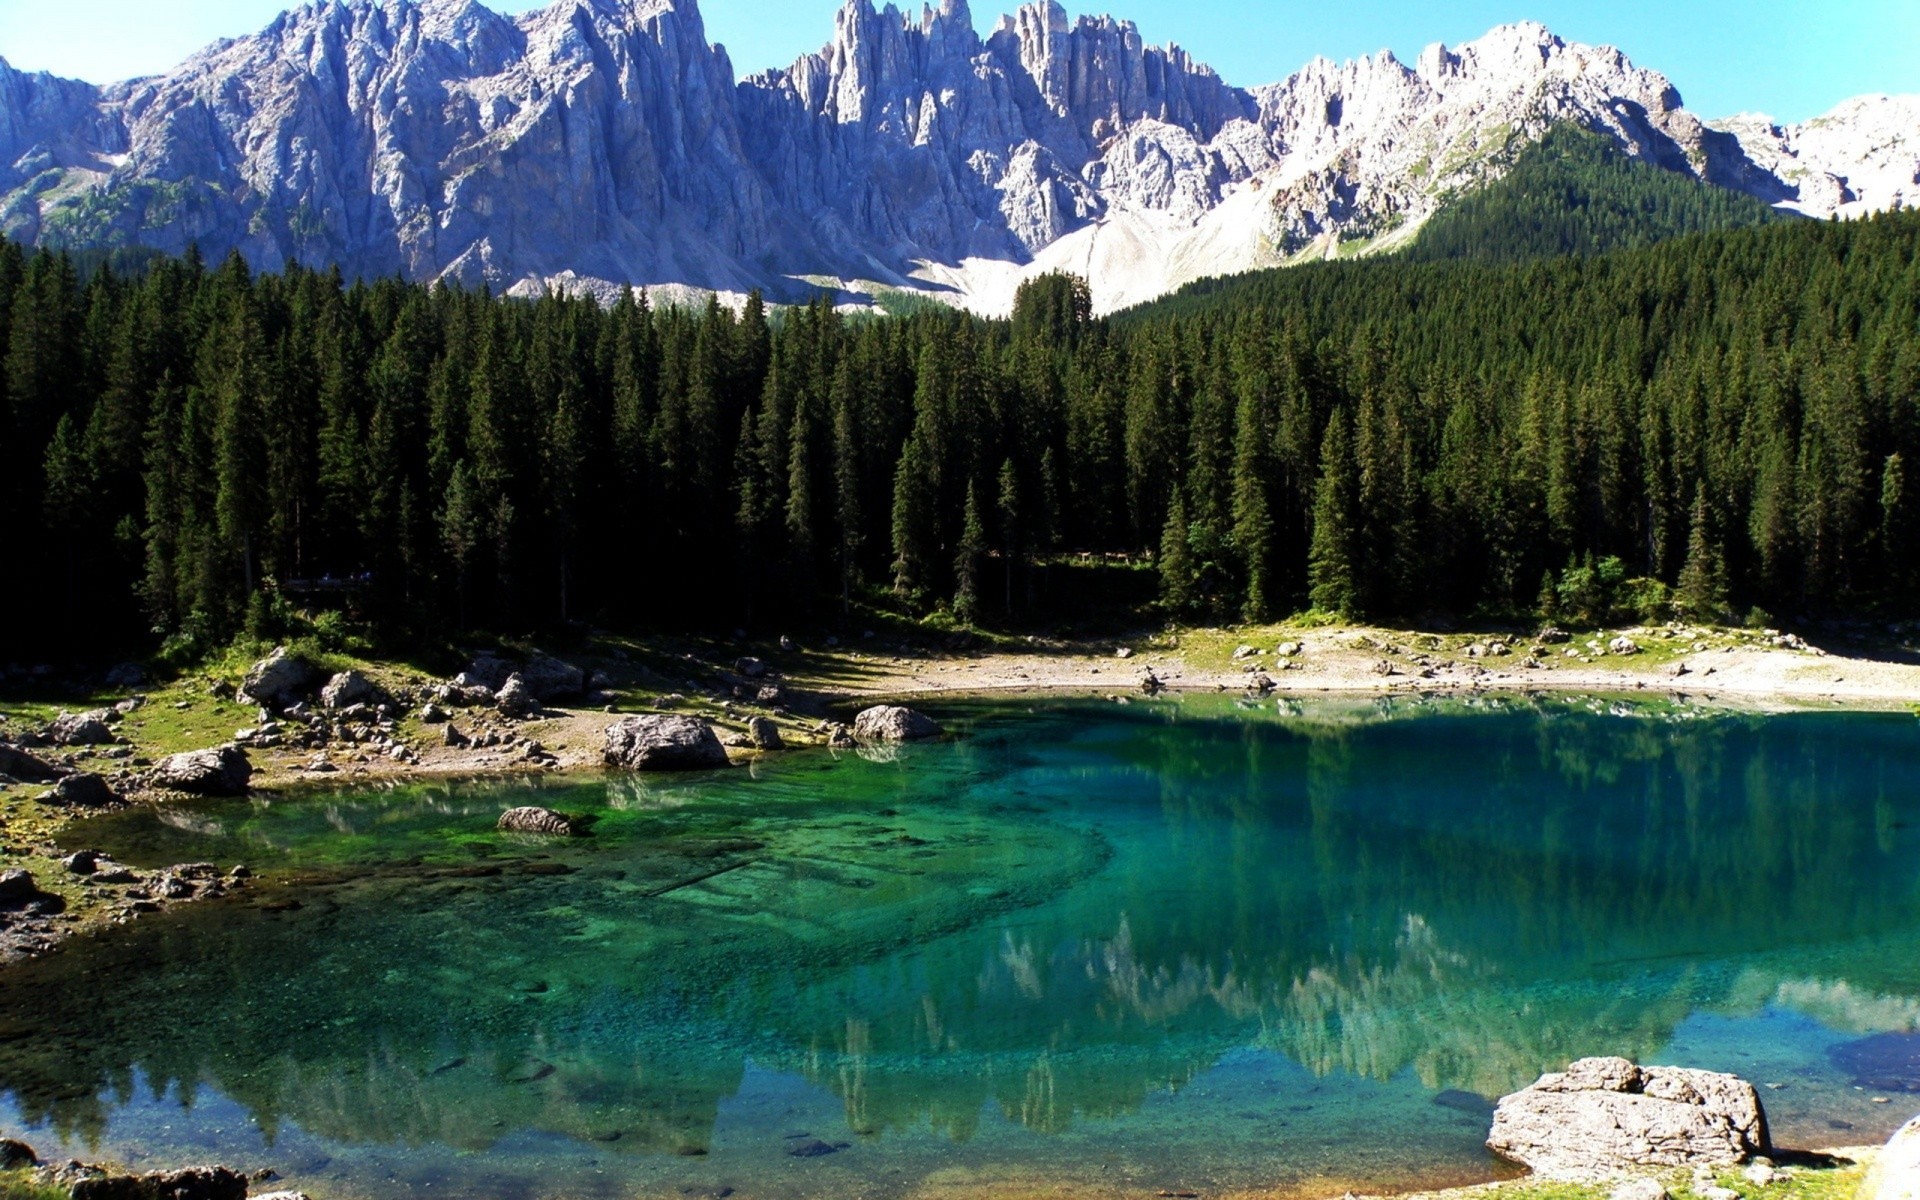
195,451
1576,192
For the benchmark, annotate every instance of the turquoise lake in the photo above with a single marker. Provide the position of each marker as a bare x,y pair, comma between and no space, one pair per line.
1187,945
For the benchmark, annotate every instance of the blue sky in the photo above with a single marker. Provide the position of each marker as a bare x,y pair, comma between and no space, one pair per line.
1790,58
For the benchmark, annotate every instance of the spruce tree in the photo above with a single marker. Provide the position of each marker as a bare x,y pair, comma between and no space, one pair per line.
1702,593
1177,576
1333,569
967,566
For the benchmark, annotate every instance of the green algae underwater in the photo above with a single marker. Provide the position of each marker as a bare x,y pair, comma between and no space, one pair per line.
1193,944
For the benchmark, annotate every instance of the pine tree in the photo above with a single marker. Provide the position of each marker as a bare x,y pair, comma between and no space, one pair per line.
1333,567
846,485
1702,593
1010,530
973,552
913,521
1177,576
1898,544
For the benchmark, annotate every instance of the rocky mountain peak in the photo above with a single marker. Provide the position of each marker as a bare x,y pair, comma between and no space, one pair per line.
605,142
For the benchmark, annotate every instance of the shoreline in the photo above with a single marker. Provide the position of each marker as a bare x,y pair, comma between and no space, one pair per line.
1742,671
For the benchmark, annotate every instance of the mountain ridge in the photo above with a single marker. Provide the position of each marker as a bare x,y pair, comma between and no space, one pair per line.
602,143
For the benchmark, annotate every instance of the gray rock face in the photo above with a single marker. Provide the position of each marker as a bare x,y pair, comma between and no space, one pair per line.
348,689
542,821
1896,1175
598,143
221,772
664,743
1605,1115
277,681
891,723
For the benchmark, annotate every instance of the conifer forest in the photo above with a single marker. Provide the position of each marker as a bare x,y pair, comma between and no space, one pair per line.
1714,425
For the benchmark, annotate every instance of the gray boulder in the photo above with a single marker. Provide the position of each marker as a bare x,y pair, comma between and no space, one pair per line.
536,820
891,723
81,729
1606,1115
194,1183
82,791
487,670
664,743
764,734
277,680
349,688
550,679
1896,1174
16,763
220,772
516,699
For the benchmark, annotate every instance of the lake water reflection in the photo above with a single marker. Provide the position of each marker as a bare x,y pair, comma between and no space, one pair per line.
1187,944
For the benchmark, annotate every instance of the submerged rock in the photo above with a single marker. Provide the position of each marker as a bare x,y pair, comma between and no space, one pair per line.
536,820
891,723
1885,1062
664,743
221,772
1606,1115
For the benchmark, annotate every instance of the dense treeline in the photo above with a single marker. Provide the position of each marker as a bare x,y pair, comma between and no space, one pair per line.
197,450
1578,192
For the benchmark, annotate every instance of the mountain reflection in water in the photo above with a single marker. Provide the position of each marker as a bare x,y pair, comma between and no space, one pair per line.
1187,928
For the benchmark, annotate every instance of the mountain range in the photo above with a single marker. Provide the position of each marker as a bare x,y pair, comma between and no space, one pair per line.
596,144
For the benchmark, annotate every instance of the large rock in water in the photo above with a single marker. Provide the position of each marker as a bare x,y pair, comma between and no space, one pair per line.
664,743
1896,1176
891,723
221,772
536,820
277,680
1606,1115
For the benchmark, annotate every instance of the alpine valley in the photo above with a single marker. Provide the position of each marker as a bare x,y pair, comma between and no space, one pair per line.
603,143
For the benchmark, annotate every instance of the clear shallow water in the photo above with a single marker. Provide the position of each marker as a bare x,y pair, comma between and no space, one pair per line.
1182,945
